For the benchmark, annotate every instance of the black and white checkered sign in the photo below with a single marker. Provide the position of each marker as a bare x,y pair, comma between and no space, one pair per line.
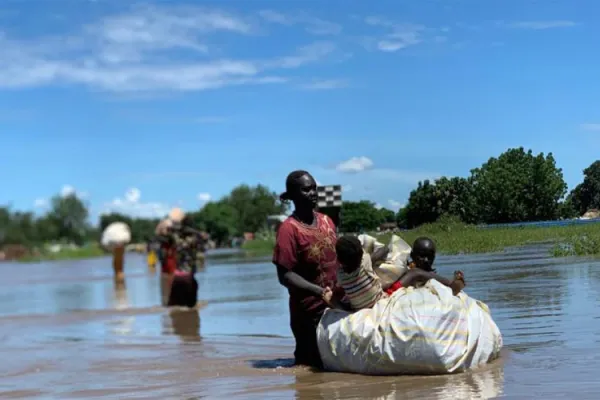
329,196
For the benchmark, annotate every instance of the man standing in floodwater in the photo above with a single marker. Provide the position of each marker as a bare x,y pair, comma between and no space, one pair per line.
306,264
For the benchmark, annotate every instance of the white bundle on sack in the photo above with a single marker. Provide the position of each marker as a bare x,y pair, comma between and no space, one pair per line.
395,263
414,331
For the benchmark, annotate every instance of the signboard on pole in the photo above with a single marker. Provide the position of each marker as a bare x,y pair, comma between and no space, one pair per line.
329,202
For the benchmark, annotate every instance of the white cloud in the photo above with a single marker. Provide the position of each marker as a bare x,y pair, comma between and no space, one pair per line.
590,127
305,55
346,188
148,49
204,197
355,164
540,25
325,84
313,25
360,173
41,203
399,36
131,205
395,205
378,206
68,190
133,195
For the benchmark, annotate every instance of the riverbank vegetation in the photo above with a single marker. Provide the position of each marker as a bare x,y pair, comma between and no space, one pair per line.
91,250
516,186
455,237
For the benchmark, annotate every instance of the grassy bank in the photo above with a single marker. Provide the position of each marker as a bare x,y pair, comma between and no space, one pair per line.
456,238
259,246
453,237
89,251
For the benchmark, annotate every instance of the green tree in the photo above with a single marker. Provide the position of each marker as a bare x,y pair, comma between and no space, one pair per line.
219,220
429,201
401,218
421,207
386,216
518,186
586,195
251,207
359,215
17,227
69,216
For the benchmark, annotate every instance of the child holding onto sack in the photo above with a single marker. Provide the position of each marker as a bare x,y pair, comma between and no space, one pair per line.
361,284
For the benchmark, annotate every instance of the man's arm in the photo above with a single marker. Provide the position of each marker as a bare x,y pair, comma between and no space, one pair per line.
291,279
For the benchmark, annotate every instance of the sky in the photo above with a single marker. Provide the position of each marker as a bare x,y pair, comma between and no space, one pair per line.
140,107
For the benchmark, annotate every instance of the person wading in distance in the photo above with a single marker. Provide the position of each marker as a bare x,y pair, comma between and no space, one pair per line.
307,265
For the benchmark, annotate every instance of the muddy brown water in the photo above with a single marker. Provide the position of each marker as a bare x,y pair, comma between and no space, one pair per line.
66,332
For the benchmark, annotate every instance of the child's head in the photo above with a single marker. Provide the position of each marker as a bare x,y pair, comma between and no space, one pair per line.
423,253
349,252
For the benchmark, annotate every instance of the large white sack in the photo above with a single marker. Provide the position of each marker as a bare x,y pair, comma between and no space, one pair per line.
415,331
396,261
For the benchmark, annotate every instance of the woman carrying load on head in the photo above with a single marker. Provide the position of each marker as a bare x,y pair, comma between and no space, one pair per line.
307,265
187,242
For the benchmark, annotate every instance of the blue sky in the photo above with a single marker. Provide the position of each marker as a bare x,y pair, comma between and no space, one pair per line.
139,107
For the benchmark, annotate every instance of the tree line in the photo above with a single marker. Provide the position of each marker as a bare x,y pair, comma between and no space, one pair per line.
244,209
516,186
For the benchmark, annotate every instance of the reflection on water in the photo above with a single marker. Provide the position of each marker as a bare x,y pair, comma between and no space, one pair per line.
185,324
67,331
484,384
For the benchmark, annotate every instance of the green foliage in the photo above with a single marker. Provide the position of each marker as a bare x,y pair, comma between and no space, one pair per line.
251,206
577,245
218,218
263,243
386,216
402,218
454,237
518,186
65,222
515,186
429,201
68,215
87,251
363,215
245,209
586,195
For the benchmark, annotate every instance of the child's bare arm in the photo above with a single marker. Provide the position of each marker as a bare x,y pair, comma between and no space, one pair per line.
413,276
379,255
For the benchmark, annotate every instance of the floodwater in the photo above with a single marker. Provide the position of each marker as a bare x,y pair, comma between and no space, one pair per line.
66,332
